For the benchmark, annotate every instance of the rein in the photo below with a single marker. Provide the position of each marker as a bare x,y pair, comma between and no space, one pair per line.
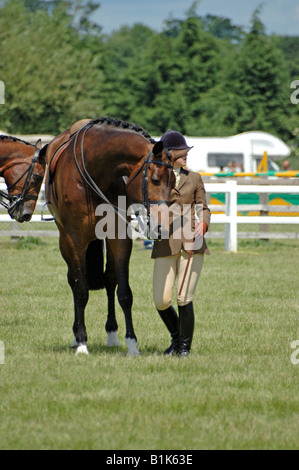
16,199
144,187
145,167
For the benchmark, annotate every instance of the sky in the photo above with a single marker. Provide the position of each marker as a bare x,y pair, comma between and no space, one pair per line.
278,16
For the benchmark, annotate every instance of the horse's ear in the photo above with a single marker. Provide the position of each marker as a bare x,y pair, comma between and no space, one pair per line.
42,153
158,148
38,144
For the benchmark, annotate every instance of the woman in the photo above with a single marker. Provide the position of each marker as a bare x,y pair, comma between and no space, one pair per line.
179,256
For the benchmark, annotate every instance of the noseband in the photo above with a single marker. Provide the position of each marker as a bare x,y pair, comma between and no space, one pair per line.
16,199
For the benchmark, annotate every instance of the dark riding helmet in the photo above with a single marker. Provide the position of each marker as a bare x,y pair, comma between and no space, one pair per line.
174,140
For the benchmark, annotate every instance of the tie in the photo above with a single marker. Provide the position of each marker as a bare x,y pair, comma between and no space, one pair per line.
177,176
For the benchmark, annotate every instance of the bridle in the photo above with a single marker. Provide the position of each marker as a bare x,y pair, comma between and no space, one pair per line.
146,202
16,199
144,188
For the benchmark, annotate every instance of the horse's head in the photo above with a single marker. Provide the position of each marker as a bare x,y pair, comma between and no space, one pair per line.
24,179
157,180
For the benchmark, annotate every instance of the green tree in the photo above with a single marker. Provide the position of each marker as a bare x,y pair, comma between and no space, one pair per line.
79,10
222,28
290,47
123,65
200,75
163,81
260,82
50,81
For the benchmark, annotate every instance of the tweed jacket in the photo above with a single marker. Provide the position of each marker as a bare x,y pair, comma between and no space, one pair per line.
190,191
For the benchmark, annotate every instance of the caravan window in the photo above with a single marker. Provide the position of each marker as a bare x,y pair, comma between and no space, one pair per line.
225,160
271,165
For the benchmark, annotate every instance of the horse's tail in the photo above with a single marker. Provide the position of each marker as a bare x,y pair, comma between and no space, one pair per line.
95,265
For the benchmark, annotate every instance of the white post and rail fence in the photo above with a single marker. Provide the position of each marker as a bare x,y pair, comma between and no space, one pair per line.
233,220
225,222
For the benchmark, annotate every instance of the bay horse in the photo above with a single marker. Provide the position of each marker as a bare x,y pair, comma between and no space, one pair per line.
87,165
23,169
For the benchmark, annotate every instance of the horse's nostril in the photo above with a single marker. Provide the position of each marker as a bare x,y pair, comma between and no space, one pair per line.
26,217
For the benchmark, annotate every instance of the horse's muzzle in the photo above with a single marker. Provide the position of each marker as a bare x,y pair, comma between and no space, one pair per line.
21,214
25,217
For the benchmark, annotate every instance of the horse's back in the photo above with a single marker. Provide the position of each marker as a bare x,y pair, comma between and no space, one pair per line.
55,143
78,125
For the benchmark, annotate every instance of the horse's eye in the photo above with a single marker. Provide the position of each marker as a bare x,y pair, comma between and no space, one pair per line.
155,181
37,178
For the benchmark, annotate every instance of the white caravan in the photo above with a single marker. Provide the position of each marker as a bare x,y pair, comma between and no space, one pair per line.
242,152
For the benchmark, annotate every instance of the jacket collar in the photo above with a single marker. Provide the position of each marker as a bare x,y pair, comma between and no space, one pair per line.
183,178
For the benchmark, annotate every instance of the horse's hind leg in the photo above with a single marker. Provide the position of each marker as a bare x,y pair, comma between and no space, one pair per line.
74,255
110,284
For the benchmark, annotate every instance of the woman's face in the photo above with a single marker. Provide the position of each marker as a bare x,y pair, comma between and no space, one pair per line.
180,157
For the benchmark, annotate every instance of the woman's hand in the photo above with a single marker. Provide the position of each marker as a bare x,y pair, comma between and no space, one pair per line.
200,229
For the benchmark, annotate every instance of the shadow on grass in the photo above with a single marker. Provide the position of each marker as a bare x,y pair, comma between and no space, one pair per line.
101,349
121,350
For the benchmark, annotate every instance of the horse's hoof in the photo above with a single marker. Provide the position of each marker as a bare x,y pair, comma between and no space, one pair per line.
132,347
112,339
82,349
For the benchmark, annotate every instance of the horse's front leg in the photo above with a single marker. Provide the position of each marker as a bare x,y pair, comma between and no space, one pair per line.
74,255
125,299
121,250
110,284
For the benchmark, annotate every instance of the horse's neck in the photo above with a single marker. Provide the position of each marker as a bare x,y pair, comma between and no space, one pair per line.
4,160
10,154
124,162
134,159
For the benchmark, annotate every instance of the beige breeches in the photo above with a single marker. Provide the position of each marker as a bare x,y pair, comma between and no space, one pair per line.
166,270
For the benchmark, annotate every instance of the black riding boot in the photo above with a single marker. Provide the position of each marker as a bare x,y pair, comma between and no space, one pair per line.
171,320
186,322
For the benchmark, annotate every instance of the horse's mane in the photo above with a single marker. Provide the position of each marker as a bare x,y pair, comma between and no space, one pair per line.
124,125
14,139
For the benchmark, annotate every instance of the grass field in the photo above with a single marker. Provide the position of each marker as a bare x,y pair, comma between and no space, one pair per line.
238,389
